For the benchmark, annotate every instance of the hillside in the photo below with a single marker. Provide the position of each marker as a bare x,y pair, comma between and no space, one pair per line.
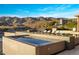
37,22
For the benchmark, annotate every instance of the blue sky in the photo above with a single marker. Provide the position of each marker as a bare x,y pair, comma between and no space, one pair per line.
36,10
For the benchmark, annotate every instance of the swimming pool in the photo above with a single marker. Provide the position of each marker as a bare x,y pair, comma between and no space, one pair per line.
32,41
19,45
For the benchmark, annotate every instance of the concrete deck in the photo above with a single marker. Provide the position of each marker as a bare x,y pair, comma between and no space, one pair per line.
74,51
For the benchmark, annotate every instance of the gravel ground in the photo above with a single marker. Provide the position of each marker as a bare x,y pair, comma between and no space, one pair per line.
74,51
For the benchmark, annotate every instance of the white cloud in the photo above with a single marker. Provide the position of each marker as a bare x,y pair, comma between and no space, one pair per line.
63,7
58,11
46,9
67,14
56,8
13,15
9,15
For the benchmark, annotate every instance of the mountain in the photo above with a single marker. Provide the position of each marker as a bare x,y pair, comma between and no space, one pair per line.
19,21
33,22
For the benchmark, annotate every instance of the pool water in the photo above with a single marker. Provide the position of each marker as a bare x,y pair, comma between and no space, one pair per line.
32,41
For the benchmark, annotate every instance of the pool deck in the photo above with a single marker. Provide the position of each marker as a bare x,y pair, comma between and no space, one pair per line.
74,51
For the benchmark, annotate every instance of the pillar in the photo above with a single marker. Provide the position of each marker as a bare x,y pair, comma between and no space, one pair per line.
77,23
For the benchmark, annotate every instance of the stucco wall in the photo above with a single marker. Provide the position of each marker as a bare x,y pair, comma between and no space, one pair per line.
78,24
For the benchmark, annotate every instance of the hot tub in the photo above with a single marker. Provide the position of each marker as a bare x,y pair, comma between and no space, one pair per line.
19,45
